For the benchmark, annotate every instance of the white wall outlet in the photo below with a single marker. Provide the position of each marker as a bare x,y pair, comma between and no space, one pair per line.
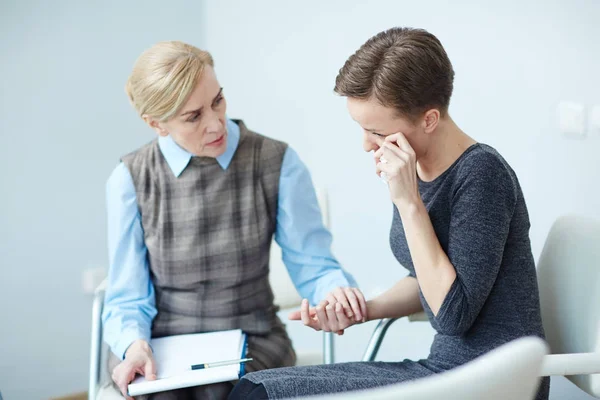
92,278
571,119
594,121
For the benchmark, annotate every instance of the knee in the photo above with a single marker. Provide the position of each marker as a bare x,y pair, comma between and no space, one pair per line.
247,390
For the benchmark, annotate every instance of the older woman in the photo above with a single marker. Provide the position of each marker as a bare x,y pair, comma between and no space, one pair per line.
191,216
460,224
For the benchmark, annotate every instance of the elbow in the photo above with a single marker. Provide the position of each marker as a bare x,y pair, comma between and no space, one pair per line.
453,329
454,321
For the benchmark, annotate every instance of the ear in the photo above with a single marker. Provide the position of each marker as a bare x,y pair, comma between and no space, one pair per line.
156,125
431,120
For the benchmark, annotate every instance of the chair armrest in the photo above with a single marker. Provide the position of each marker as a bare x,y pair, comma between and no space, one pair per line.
571,364
377,338
380,331
96,341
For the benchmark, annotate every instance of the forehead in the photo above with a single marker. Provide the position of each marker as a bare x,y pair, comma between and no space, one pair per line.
206,89
371,115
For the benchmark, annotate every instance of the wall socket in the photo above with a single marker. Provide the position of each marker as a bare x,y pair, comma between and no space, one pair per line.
91,278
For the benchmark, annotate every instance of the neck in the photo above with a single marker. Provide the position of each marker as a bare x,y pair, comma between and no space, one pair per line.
447,145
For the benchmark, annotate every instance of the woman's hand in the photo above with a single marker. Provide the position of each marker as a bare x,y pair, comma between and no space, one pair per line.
138,360
342,308
397,159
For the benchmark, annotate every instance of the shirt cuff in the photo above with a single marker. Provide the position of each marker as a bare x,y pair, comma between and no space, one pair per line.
126,338
331,281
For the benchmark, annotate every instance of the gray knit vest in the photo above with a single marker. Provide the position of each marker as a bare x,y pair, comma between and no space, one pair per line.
208,233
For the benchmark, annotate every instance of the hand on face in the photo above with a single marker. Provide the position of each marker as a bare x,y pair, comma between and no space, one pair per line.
397,160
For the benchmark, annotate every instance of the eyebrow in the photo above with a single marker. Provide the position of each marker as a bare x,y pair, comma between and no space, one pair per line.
199,110
370,130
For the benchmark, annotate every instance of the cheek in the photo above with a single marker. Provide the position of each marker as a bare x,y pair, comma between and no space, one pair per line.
417,141
189,133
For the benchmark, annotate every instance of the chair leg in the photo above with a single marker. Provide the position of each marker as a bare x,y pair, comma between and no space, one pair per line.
328,351
377,338
96,347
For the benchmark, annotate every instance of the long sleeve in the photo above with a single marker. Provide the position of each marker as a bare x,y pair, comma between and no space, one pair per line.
304,240
129,304
481,213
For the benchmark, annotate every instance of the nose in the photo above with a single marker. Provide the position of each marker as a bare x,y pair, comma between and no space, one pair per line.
369,143
214,123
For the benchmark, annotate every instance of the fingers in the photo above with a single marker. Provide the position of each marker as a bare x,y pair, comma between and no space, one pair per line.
340,297
332,320
362,302
379,140
150,370
400,139
322,316
295,316
343,321
390,151
122,375
353,303
306,317
391,156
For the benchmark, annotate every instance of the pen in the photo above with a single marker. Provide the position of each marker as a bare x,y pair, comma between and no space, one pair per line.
220,363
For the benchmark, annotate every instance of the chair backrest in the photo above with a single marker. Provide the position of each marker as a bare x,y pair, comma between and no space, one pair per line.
569,280
286,295
508,372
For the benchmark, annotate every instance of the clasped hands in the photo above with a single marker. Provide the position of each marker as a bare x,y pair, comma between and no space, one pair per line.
342,308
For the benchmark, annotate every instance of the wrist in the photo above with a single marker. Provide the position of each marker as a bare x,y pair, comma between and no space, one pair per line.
372,312
138,346
410,207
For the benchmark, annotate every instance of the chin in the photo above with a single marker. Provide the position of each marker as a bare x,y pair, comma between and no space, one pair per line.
218,151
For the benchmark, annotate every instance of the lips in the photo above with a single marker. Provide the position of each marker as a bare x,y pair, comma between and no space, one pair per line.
217,142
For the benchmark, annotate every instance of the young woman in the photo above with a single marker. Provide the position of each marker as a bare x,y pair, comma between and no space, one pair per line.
460,225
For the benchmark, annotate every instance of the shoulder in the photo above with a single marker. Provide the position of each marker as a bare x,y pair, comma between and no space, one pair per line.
484,169
483,161
120,182
143,153
269,151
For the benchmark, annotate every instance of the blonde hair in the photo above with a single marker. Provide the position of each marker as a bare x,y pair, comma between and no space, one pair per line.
164,76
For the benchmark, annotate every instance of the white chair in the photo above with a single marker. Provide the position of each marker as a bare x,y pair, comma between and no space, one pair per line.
509,372
569,280
286,297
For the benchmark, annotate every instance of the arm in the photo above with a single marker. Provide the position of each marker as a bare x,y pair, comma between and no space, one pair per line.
304,240
434,271
399,301
457,284
482,210
129,301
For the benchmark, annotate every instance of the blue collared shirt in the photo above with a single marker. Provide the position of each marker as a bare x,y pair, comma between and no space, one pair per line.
129,304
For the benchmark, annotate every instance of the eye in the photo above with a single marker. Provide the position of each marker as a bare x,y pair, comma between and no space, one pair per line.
218,101
378,134
194,118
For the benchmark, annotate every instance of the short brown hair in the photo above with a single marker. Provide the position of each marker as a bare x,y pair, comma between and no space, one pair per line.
404,68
